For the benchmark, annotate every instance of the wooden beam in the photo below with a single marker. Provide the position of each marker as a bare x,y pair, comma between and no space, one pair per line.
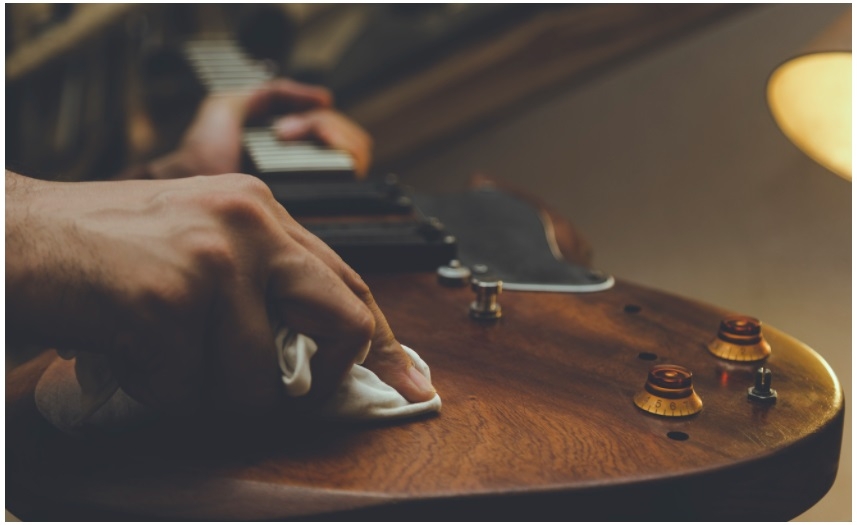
555,47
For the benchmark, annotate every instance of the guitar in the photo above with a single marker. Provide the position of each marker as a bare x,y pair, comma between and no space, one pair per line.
539,422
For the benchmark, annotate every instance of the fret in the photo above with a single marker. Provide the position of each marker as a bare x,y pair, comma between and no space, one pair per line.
202,54
307,158
227,71
233,85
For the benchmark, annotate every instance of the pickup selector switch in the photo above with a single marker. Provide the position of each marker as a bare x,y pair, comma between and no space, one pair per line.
740,339
669,392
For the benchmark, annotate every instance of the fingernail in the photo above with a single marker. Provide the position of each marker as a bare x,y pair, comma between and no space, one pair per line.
420,381
289,126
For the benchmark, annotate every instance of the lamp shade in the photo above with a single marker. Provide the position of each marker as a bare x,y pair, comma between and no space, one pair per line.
810,98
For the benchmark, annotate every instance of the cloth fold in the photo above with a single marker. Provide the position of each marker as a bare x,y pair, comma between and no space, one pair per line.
361,396
95,400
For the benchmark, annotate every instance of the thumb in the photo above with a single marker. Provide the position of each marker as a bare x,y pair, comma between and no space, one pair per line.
393,366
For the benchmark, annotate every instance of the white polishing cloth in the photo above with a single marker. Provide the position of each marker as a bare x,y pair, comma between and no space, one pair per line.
362,395
95,400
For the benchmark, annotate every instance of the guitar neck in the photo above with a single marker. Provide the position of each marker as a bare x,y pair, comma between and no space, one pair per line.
312,180
222,66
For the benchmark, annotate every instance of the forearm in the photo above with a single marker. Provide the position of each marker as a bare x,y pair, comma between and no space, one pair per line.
21,228
24,285
43,299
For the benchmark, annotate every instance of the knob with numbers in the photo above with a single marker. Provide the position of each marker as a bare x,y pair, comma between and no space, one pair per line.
669,392
740,339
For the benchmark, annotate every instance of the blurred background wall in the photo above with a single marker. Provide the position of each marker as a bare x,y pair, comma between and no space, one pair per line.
673,167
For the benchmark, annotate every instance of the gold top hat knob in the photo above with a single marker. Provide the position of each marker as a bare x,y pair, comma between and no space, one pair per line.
740,339
669,392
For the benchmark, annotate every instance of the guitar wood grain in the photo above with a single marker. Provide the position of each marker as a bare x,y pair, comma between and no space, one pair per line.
537,423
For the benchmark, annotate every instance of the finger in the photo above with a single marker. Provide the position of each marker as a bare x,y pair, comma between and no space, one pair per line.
314,301
394,367
332,129
387,358
294,127
242,372
168,379
284,96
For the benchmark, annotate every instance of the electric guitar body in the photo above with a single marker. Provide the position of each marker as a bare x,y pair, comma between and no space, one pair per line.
540,421
604,405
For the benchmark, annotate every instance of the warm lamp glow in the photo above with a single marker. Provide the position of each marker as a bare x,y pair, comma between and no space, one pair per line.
810,97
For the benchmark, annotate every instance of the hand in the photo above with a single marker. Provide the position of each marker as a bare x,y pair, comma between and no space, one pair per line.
331,128
175,282
212,143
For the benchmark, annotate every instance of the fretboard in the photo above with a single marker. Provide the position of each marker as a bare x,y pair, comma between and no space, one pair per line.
222,66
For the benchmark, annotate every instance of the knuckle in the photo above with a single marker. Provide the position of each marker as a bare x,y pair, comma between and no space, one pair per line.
237,207
249,184
285,216
356,283
212,251
325,94
361,325
170,296
317,117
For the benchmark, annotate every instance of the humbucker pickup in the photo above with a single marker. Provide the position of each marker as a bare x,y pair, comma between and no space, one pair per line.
382,246
372,197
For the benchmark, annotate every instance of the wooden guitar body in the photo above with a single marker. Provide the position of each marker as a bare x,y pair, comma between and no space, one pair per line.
538,419
538,423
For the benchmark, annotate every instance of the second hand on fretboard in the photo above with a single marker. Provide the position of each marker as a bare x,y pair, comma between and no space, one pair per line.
222,66
320,181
